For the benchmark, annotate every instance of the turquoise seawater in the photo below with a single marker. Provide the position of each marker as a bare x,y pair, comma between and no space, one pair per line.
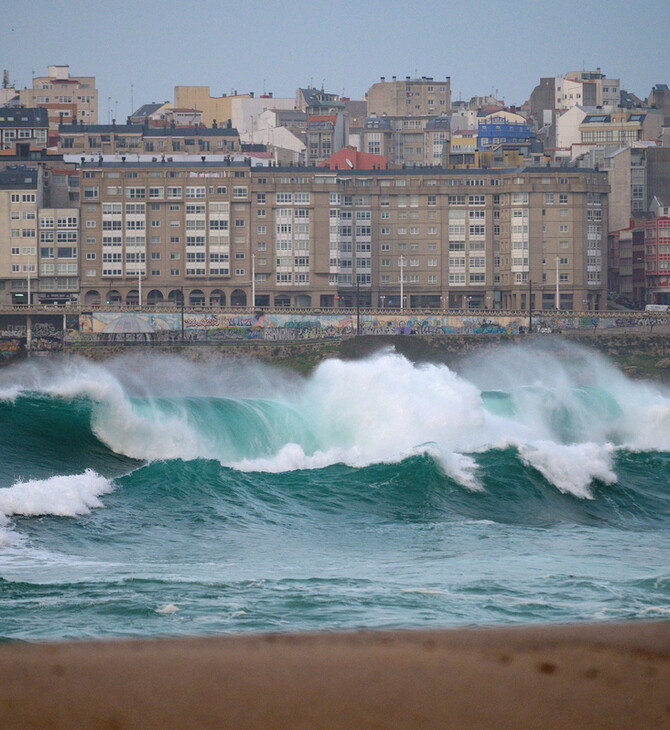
150,496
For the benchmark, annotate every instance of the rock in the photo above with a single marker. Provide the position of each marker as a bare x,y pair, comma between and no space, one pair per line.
664,363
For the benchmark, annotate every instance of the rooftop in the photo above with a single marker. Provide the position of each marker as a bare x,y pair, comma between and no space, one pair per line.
17,117
18,177
140,129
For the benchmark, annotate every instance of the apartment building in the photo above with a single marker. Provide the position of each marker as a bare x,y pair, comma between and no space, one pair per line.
58,256
325,135
657,253
408,140
318,237
410,97
20,201
29,126
152,231
63,96
624,127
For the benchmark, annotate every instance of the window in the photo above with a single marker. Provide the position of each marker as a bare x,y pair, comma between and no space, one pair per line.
195,192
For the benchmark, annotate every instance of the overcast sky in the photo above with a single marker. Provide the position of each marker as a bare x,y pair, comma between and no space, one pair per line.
485,46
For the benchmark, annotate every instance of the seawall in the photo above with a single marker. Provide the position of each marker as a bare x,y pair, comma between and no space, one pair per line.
638,354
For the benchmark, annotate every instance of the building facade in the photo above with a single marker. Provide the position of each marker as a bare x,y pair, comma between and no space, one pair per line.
20,200
410,97
65,97
18,125
314,237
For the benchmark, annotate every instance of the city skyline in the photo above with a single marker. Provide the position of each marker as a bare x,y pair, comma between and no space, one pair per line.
344,47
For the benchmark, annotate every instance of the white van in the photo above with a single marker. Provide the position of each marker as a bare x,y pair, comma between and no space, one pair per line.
657,308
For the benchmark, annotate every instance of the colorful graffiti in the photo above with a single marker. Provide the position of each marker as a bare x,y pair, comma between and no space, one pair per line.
213,327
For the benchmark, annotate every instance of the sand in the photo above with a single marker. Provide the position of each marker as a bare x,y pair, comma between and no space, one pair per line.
586,676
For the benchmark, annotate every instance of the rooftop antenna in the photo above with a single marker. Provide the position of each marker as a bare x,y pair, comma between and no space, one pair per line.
132,104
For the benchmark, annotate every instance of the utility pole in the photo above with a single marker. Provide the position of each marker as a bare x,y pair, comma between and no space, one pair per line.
358,305
253,279
182,313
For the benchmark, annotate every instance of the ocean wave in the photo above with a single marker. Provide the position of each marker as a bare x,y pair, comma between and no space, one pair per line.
566,413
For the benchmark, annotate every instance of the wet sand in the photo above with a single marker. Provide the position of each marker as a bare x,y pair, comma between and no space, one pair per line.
585,676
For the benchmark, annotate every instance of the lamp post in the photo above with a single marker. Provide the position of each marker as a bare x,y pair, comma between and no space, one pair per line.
557,303
253,279
358,305
381,299
530,304
182,313
402,283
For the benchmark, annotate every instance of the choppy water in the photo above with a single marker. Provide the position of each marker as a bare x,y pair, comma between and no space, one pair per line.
151,496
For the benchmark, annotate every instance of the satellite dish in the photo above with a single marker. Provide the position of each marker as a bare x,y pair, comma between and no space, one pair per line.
350,163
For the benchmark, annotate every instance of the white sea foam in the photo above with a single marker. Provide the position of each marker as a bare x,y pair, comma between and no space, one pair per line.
168,609
573,467
62,496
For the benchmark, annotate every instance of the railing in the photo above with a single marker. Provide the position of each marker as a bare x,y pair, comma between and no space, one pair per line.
409,312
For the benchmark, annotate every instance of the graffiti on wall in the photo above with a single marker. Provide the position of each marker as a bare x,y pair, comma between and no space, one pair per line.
220,327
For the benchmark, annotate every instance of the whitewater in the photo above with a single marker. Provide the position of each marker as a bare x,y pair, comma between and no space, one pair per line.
148,495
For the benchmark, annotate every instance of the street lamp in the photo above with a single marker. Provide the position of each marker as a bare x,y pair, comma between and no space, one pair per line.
253,280
402,282
381,299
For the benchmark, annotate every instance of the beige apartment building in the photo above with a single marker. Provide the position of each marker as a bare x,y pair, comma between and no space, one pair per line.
65,97
20,200
313,237
214,109
408,140
424,96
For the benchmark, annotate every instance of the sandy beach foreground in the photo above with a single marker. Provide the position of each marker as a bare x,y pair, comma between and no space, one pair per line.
585,676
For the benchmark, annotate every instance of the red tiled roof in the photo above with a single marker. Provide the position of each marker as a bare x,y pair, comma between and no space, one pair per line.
351,159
